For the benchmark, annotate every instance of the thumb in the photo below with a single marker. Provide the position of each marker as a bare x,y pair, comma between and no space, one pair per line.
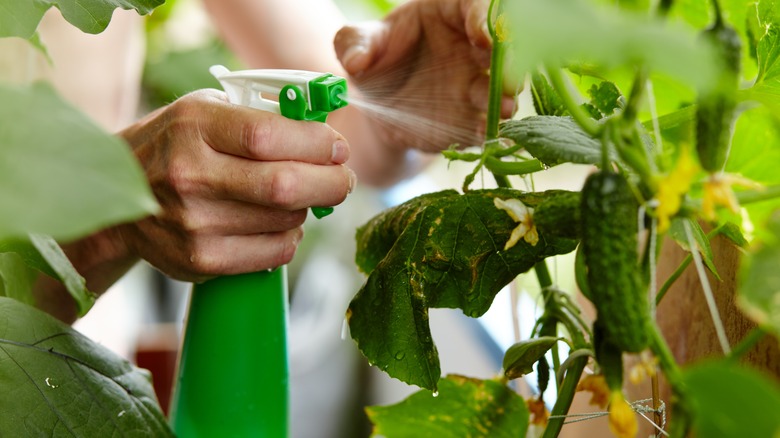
358,45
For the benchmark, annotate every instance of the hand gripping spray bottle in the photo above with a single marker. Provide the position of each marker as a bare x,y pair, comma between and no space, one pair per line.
233,365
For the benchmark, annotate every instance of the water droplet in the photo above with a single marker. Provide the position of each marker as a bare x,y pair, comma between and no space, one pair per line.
120,413
344,330
50,383
435,393
400,355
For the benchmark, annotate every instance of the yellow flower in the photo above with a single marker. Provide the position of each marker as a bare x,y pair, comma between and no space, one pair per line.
622,420
522,214
645,368
597,386
718,193
502,31
673,187
538,410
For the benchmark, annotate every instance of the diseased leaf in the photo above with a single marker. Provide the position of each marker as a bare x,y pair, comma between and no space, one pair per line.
88,178
520,357
732,401
553,140
759,290
21,17
440,250
56,382
464,407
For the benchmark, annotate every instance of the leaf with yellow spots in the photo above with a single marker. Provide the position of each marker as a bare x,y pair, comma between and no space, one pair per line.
440,250
463,407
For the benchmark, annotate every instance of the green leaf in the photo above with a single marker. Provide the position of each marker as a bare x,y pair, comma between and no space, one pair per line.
578,30
67,178
16,278
755,148
732,401
59,263
464,407
520,357
547,102
21,18
440,250
759,290
764,25
56,382
678,234
605,97
553,140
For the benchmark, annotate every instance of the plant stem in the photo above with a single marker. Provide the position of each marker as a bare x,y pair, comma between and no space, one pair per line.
763,194
503,168
747,343
543,274
496,87
565,396
665,358
672,278
590,126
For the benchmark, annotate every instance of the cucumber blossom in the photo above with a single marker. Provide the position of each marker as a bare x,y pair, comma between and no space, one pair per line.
609,248
716,109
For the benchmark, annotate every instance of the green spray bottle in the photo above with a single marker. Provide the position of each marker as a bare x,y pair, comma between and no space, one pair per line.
233,371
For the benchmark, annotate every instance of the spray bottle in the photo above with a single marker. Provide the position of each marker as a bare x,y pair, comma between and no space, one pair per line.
232,373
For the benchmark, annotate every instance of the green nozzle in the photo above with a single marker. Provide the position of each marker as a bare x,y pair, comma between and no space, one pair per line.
327,93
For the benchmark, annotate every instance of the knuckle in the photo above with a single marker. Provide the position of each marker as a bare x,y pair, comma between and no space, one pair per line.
282,188
257,139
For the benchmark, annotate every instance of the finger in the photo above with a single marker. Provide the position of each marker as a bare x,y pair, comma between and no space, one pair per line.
227,218
287,185
357,45
241,254
263,136
476,22
479,97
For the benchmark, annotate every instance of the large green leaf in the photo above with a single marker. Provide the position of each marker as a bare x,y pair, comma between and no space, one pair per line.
21,17
56,382
16,278
759,291
577,30
60,174
730,401
463,407
553,140
439,250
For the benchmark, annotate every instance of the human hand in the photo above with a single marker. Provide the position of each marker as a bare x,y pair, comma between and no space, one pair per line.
234,184
425,66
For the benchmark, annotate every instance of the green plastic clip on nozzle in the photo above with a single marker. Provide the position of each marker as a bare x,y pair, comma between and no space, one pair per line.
233,371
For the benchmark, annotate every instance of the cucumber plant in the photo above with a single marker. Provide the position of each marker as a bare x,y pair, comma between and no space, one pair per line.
680,100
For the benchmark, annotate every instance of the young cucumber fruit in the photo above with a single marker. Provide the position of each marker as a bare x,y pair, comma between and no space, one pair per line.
609,247
716,109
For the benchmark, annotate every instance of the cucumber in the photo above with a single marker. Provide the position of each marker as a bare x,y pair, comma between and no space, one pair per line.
618,289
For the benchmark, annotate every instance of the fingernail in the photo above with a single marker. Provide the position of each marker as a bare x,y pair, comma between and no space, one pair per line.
352,180
351,55
340,152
